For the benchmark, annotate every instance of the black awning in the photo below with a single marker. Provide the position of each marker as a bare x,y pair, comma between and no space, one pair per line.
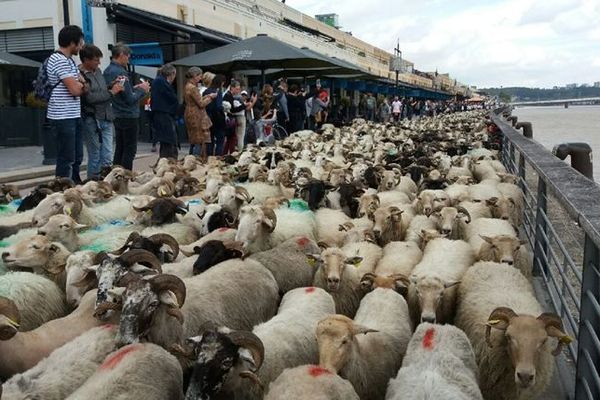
120,12
8,59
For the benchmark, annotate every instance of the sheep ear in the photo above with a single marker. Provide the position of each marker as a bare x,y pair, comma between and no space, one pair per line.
450,284
487,239
354,261
91,268
140,269
80,226
359,329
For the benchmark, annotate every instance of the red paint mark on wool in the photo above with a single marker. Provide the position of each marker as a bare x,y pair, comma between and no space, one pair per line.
316,371
223,229
113,360
108,327
428,338
309,289
302,241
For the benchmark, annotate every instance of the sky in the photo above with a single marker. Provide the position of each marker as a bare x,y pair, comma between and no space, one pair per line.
485,43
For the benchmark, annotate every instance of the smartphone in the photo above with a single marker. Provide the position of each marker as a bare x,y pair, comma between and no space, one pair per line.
142,80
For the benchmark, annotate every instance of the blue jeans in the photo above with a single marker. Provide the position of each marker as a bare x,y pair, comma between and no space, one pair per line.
217,141
69,147
99,154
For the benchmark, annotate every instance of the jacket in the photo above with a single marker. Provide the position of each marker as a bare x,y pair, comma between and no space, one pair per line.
126,103
164,98
97,101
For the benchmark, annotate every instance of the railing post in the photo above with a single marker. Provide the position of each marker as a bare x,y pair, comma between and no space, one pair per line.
522,171
588,353
540,254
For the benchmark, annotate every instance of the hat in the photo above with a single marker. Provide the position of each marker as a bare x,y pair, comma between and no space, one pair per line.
244,93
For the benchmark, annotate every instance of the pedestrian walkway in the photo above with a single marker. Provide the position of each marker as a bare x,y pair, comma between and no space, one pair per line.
25,163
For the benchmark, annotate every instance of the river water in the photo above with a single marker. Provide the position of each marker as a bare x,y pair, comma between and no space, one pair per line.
555,125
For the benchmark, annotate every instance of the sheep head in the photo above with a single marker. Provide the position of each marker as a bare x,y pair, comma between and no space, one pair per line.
217,353
37,253
501,207
215,251
429,291
387,224
397,282
331,264
368,203
154,244
255,222
501,248
141,300
448,218
62,228
10,318
336,338
8,193
524,337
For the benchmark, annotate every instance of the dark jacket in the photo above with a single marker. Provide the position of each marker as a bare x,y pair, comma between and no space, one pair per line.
126,103
215,108
164,98
228,96
296,106
97,101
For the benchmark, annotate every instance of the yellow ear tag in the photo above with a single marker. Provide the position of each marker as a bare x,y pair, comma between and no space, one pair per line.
162,192
357,264
13,323
493,322
311,261
566,339
149,212
68,211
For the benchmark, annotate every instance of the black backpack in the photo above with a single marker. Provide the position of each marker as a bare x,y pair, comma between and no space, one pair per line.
42,89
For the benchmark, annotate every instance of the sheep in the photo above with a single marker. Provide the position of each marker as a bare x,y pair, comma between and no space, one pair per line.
141,371
215,216
65,369
389,224
368,350
260,191
429,201
19,351
222,234
399,258
155,244
417,225
96,192
163,210
457,193
481,192
8,193
328,222
496,240
310,382
288,262
451,221
37,298
233,198
288,337
431,295
503,320
62,228
261,228
369,254
439,364
483,170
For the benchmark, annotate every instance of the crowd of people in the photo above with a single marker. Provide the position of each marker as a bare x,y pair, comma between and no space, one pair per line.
96,109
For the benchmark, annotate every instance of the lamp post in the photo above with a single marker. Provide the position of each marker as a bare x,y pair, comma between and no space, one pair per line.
398,55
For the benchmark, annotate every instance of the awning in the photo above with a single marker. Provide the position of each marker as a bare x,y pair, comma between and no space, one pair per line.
120,12
8,59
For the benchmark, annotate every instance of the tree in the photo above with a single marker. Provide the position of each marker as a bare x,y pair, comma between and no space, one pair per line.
504,97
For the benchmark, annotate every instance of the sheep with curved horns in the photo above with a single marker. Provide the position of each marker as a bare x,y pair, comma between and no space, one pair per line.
509,332
141,371
19,351
452,221
390,224
155,244
428,201
233,198
368,350
37,298
432,293
310,382
261,228
439,364
65,369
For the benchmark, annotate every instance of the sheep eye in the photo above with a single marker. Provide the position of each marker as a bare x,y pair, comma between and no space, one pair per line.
35,246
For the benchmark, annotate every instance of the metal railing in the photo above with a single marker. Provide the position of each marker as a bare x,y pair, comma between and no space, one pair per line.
561,222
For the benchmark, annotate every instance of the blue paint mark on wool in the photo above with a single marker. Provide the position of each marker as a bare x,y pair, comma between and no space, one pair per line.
194,202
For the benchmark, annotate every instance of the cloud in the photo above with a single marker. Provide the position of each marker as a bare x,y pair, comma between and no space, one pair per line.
539,43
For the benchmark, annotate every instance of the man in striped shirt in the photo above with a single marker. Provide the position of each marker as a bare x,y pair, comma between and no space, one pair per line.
64,108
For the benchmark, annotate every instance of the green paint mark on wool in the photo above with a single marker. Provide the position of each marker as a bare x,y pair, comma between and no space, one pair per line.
95,247
299,205
4,243
5,209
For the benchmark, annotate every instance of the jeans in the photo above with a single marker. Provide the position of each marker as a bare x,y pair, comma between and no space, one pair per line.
370,114
69,147
126,134
99,154
217,135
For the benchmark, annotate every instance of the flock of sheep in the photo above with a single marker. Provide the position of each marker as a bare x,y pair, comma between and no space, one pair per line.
365,262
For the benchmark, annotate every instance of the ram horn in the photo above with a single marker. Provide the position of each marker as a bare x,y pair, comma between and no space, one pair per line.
132,236
367,280
243,194
9,309
172,283
499,315
163,238
464,211
554,328
140,256
253,378
250,341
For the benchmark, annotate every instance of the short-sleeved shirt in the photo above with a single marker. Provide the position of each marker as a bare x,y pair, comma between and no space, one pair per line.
396,107
62,104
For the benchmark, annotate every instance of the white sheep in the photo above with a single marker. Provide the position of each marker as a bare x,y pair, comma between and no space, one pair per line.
289,337
417,225
65,369
328,226
260,191
439,364
368,350
431,295
141,371
37,298
261,228
457,193
399,258
481,192
369,254
506,325
310,382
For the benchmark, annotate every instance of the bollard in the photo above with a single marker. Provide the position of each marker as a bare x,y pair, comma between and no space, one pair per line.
513,119
527,129
581,157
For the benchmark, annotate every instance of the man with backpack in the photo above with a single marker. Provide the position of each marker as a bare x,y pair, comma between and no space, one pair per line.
63,85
